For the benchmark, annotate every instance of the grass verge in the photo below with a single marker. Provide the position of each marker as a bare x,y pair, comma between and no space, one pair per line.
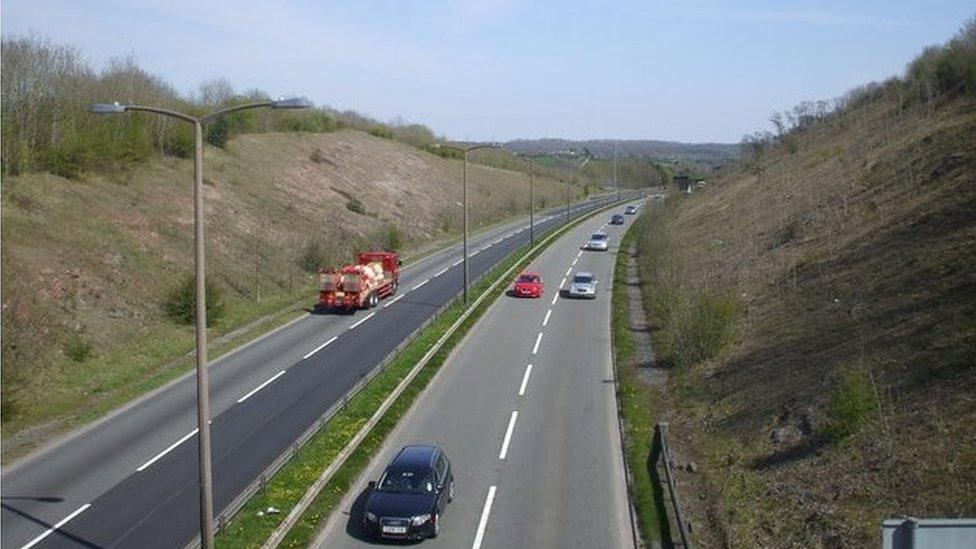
638,409
286,488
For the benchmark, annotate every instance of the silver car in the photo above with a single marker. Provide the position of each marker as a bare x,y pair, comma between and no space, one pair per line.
597,242
583,285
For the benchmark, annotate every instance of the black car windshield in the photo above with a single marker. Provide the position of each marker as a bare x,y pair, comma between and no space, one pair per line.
582,279
598,236
410,482
528,278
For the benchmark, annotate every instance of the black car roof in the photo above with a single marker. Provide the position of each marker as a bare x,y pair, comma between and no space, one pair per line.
414,457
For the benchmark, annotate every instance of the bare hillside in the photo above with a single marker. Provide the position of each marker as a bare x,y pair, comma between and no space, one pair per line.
846,394
88,263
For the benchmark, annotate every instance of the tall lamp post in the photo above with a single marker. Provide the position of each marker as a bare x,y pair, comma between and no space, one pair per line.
578,170
203,387
464,199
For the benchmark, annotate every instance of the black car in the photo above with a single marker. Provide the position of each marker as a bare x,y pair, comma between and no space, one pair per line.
407,501
617,219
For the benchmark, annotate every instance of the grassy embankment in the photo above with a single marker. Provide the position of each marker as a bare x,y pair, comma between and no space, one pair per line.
817,304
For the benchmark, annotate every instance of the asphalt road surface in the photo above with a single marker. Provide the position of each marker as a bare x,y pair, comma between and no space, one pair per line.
535,449
130,480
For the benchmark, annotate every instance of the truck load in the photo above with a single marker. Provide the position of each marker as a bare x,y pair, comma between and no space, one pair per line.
360,286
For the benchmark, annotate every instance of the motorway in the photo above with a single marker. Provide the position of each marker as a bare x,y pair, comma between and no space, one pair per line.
130,479
525,408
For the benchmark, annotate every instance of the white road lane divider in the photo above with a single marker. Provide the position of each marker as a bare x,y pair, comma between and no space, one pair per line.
546,320
574,261
418,286
360,321
555,297
65,520
171,447
525,380
460,261
538,340
479,535
569,270
440,272
320,347
508,435
259,387
580,253
562,283
392,301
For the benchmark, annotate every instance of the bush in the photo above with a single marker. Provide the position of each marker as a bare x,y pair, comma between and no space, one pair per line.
354,205
394,238
179,142
851,404
381,131
77,349
181,304
314,256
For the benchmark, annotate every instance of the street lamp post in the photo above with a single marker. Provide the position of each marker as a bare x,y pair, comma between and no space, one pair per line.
203,385
531,203
578,170
464,199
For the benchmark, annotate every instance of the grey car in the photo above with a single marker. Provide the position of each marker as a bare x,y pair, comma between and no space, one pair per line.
597,242
583,285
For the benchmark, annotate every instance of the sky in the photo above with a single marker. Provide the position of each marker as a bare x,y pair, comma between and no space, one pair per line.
693,70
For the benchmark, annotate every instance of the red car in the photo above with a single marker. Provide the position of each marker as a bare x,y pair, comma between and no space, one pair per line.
529,284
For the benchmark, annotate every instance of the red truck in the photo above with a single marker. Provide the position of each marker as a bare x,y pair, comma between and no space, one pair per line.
360,286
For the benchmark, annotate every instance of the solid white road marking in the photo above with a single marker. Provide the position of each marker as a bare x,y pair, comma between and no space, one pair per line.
392,301
483,522
440,272
459,261
569,270
554,298
574,261
159,456
579,253
562,283
320,347
546,320
85,507
360,321
508,436
538,340
421,284
525,380
259,387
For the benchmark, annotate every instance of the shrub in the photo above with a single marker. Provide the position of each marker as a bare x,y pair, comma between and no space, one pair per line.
381,131
394,238
179,142
851,404
314,256
181,304
354,205
77,349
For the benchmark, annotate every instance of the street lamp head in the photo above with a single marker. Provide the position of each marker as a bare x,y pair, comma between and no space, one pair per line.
107,108
291,103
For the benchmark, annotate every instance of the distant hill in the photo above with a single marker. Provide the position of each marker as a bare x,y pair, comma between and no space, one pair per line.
695,153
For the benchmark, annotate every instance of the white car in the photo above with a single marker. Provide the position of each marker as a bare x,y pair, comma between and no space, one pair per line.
631,210
583,285
597,242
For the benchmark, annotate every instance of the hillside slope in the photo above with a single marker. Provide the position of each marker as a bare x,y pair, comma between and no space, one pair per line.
88,263
846,395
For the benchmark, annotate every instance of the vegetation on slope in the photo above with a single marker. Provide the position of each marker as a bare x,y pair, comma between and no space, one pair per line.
827,382
97,226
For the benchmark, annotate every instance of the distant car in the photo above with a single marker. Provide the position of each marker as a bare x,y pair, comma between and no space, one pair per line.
597,242
631,210
409,498
583,285
529,284
617,219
